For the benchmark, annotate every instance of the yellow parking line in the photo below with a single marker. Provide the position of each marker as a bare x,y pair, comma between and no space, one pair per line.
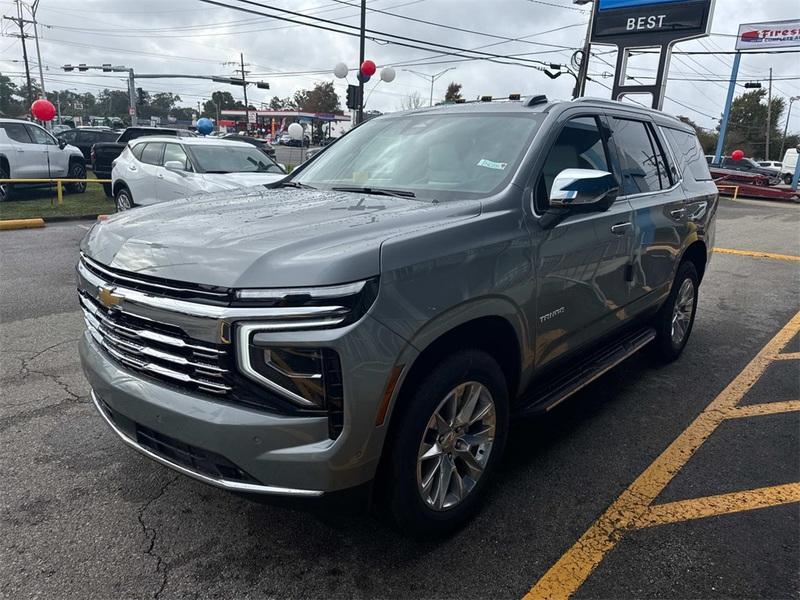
788,356
769,408
723,504
757,254
565,577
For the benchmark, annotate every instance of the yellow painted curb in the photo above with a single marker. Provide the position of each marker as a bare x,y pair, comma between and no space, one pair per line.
21,224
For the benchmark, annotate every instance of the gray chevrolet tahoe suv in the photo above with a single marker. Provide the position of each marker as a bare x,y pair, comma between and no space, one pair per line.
379,316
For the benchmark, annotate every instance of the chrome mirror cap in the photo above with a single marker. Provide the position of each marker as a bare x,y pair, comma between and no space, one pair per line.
584,188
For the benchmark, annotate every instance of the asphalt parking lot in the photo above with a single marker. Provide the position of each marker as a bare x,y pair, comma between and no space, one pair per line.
671,482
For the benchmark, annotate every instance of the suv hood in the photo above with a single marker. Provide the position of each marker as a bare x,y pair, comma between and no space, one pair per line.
217,182
264,238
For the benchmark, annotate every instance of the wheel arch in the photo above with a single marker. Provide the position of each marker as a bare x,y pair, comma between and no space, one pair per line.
118,185
697,252
4,162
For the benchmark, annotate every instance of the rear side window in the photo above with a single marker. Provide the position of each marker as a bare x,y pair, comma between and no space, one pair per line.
642,161
87,137
688,153
137,151
152,153
17,132
68,136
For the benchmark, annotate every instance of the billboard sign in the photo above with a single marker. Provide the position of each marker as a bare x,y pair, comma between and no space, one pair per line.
761,36
655,21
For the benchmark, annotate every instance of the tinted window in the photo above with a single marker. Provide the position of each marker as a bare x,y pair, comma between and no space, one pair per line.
688,153
107,136
17,132
638,157
579,146
175,152
231,158
137,150
68,136
39,135
152,153
87,137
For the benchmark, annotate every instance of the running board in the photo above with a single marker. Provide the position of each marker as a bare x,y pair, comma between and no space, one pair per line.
556,390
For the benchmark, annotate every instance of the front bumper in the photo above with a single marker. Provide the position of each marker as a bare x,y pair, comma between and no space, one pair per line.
281,454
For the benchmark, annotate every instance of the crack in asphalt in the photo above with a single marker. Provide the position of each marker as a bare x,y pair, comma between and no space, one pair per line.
152,533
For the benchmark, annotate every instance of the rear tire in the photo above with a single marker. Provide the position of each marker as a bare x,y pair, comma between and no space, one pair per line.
124,199
77,170
675,319
787,179
446,445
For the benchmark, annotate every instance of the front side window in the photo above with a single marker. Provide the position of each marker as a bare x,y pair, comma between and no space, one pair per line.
231,158
152,153
579,145
68,136
641,163
17,132
174,152
432,156
39,135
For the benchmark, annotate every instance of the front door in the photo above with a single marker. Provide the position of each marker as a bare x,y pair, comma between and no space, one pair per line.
28,159
582,264
169,184
56,161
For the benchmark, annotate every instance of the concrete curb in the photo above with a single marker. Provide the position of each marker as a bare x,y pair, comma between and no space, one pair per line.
21,224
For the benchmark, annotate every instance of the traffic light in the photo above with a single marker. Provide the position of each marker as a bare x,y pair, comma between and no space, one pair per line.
353,100
106,67
752,85
262,85
68,67
83,67
140,94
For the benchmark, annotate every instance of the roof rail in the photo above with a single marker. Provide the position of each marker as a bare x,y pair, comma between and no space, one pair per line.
535,100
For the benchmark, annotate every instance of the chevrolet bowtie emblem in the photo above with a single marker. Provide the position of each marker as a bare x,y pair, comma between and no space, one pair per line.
107,297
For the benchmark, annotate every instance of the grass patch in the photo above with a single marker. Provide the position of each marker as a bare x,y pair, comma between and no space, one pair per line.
30,203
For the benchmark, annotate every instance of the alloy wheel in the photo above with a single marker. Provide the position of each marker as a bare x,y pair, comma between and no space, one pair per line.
456,445
682,312
78,171
123,201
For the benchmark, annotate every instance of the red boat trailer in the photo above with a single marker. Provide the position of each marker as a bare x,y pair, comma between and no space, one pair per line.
738,183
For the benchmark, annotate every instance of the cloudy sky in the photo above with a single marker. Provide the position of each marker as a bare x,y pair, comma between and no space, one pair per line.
188,36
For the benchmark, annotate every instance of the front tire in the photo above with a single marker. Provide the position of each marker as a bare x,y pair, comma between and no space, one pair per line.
446,445
123,199
675,319
77,170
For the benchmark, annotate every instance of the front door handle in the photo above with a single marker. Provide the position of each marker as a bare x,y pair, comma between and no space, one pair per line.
621,228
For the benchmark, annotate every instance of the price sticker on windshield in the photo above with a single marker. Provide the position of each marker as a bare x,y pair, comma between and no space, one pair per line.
490,164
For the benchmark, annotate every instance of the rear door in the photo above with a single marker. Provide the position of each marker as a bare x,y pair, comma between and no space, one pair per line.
581,263
141,174
650,183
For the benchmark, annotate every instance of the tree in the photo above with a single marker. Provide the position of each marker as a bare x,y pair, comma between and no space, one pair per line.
281,104
183,113
747,125
12,101
112,103
453,92
412,101
322,98
223,100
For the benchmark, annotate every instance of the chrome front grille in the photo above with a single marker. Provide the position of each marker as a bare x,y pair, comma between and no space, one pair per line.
156,349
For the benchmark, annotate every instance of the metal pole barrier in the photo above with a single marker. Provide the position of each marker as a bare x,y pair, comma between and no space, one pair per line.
60,191
723,127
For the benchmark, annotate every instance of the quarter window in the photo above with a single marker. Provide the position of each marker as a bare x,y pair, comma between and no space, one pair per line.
579,145
642,161
152,153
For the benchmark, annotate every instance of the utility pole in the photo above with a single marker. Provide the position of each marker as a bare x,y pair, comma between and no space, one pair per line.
769,114
583,72
38,53
20,22
432,78
792,100
361,42
244,87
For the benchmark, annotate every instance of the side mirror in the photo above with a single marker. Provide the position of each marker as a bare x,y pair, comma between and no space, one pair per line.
584,190
174,165
62,144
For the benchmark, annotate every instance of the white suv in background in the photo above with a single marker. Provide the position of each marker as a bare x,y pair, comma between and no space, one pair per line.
27,151
156,169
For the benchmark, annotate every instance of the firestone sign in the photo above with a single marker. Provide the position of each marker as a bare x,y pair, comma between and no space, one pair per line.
776,34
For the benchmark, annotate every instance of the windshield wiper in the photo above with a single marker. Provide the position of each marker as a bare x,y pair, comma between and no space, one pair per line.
293,184
376,191
217,172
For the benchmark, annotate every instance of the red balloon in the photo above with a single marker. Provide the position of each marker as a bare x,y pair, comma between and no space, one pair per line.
737,155
43,110
368,68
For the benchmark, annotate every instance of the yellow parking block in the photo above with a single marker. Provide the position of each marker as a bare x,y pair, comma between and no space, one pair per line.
21,224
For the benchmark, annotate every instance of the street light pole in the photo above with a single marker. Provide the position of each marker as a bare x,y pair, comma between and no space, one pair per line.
786,127
361,43
432,78
769,114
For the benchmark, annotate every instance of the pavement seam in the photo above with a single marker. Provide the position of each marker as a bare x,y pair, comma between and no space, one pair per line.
161,566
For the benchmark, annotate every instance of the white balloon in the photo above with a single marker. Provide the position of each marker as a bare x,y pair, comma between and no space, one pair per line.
388,74
295,131
340,70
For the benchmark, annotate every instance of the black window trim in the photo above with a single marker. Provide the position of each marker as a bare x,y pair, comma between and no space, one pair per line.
645,121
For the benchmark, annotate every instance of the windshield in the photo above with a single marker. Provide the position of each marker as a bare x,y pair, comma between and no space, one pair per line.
433,156
231,159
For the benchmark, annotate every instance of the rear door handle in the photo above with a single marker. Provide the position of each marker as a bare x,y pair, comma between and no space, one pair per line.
621,228
678,213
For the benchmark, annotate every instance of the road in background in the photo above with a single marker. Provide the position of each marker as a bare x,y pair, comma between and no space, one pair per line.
83,516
